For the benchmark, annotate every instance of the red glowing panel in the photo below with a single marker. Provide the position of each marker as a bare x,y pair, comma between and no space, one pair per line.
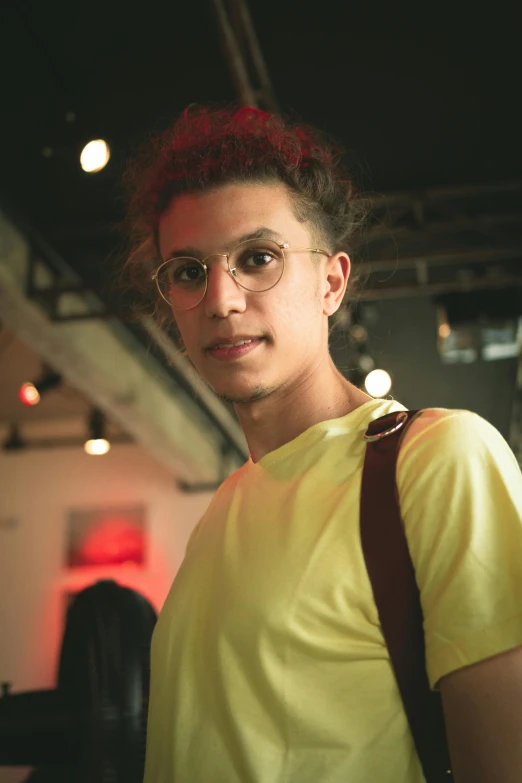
98,538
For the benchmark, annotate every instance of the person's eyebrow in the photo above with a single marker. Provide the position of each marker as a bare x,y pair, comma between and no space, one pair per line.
259,233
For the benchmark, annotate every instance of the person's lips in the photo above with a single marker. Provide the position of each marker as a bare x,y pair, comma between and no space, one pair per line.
232,349
232,342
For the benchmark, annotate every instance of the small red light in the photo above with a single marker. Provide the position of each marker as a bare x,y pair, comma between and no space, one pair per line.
28,394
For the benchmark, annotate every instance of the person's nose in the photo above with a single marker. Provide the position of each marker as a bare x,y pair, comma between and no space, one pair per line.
224,296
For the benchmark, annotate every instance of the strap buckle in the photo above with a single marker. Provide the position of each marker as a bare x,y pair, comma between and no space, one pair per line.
400,421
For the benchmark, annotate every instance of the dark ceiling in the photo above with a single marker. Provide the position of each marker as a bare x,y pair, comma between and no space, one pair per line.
421,95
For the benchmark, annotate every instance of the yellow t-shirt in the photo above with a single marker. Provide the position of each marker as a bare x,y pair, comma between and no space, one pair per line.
268,661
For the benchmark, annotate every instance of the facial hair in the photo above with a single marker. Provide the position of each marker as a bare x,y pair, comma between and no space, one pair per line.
260,393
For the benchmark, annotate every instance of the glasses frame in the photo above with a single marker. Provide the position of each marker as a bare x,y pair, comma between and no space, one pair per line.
231,271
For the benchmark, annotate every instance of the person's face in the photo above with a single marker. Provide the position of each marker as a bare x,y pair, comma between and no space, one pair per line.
288,324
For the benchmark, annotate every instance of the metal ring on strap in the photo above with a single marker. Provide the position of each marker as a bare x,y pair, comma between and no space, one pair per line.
401,419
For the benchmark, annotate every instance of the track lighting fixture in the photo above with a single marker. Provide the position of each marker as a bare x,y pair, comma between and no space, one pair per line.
97,444
31,392
14,441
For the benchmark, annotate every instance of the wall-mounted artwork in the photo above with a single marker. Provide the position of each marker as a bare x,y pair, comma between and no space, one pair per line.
108,536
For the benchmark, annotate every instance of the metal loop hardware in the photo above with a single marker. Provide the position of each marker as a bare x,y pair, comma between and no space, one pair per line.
401,419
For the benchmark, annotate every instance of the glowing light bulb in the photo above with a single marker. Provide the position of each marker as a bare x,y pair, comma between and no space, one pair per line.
377,383
97,447
95,156
29,394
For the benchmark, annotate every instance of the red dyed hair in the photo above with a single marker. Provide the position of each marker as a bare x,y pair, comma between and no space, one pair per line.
207,147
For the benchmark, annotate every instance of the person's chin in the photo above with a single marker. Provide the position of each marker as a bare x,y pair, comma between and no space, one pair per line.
241,393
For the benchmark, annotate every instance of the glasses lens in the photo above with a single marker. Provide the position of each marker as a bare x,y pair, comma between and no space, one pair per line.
182,282
258,264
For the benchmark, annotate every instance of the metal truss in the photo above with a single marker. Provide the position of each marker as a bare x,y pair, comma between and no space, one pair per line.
426,242
51,297
59,281
243,54
442,240
61,293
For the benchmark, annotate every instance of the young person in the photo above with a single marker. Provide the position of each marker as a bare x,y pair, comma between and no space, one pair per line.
268,661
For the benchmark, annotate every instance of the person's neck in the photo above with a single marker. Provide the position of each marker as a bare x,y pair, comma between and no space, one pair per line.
279,418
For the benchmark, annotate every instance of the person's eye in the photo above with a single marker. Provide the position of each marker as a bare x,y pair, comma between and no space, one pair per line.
188,273
257,259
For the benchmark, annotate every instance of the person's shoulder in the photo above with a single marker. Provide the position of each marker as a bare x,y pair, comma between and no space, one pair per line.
230,483
447,432
448,422
218,501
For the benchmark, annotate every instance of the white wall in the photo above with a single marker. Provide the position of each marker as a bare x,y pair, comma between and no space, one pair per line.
37,489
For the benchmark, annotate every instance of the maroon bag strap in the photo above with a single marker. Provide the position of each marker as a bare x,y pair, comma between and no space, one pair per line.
396,594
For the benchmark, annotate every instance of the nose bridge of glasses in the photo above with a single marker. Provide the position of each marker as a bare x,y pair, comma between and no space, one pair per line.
215,272
227,265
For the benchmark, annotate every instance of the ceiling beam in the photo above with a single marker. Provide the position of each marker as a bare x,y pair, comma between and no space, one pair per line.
449,258
134,391
243,54
398,291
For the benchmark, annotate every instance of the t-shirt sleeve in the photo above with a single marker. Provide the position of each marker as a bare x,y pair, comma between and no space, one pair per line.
193,535
460,490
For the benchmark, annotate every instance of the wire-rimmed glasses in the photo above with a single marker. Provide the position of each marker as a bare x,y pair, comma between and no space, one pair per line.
256,265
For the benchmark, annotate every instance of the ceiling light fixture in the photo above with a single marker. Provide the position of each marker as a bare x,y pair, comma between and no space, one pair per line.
30,393
95,156
97,444
14,441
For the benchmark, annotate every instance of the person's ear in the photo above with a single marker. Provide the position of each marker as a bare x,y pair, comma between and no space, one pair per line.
337,274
